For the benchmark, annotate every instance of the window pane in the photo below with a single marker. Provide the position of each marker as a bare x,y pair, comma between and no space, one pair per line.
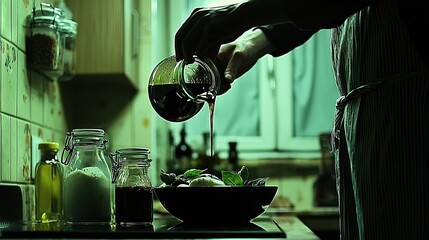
236,112
314,87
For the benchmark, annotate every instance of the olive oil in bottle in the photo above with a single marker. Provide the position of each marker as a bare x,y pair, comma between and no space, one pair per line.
48,185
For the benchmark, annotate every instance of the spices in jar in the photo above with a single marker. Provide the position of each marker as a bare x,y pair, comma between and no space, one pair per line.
43,50
88,196
43,44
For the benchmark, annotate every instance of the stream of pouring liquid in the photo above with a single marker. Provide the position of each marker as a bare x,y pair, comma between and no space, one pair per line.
210,99
211,114
211,104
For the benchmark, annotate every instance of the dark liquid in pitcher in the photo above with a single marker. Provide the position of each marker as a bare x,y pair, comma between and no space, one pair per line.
171,104
134,205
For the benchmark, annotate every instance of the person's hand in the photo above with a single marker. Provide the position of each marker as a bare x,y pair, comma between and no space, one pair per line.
207,28
236,58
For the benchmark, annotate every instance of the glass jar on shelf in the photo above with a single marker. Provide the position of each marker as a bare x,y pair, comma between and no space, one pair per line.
88,189
43,44
68,33
133,191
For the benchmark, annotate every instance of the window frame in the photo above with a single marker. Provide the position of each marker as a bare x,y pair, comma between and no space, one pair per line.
287,141
277,138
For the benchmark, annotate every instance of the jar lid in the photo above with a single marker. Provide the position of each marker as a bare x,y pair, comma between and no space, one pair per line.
67,25
132,154
46,14
82,132
49,146
138,156
133,151
87,137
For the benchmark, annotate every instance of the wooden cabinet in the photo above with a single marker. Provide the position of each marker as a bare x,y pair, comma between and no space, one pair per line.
107,57
107,40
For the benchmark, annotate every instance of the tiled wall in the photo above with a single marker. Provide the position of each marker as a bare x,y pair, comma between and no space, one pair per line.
29,103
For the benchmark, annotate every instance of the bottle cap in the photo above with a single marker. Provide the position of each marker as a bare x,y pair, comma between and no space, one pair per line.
49,146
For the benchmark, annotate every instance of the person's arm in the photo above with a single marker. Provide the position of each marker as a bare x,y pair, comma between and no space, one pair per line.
237,57
285,37
208,28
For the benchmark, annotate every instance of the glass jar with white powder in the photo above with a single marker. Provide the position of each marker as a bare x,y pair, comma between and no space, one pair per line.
87,185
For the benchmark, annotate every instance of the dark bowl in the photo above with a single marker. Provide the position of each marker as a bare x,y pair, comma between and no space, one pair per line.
221,205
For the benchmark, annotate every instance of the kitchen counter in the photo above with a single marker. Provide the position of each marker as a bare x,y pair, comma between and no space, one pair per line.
167,227
323,221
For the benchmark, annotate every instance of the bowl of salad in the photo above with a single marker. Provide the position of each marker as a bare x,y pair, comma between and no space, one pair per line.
196,197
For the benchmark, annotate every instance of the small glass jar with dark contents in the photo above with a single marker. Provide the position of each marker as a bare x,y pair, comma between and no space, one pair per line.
133,190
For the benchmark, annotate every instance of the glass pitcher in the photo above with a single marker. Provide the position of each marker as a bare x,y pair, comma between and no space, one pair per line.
133,191
87,186
178,91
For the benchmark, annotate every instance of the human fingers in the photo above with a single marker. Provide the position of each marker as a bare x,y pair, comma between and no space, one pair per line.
182,33
206,29
220,25
238,58
231,64
199,35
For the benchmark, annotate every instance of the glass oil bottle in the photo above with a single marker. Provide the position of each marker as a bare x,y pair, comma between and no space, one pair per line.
49,200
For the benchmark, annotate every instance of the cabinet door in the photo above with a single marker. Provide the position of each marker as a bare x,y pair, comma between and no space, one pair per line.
107,37
131,39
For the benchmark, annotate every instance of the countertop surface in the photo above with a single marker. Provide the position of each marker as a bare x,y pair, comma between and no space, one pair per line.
166,227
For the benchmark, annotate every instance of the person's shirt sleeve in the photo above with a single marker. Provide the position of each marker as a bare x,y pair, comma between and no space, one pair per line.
317,14
285,37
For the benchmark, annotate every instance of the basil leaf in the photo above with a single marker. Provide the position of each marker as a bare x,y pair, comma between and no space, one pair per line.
231,178
244,173
193,173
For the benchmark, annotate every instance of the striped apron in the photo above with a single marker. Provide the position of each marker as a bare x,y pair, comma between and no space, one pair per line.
381,132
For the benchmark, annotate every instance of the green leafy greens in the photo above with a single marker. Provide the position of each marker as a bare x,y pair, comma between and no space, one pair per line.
230,178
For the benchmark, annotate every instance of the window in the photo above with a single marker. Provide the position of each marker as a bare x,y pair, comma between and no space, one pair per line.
278,107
